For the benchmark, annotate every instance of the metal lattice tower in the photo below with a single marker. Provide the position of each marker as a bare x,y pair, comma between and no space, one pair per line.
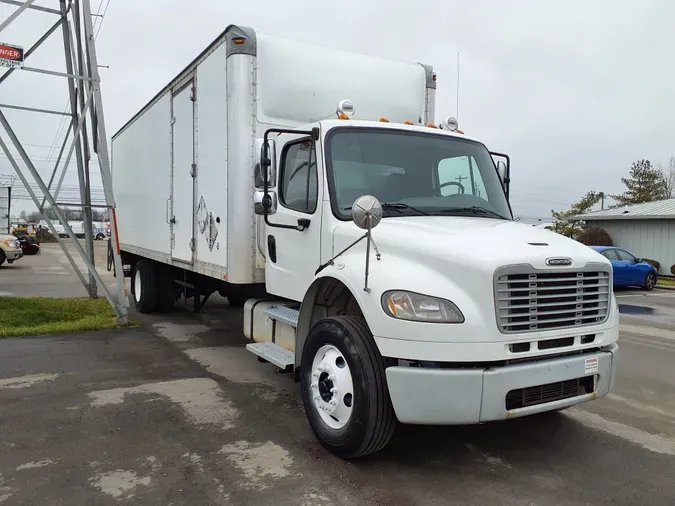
86,132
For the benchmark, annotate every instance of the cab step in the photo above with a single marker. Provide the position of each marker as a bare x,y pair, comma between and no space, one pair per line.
274,354
283,314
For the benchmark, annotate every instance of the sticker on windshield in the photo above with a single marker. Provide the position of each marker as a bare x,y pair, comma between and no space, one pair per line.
591,365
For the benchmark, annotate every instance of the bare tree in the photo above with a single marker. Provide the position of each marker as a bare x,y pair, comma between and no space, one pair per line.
669,177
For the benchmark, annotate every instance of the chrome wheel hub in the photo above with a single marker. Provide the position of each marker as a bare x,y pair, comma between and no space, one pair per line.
331,387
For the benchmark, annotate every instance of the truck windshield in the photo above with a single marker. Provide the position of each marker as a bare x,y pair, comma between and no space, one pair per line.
413,174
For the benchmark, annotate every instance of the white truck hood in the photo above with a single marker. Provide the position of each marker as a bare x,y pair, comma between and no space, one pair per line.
454,258
478,243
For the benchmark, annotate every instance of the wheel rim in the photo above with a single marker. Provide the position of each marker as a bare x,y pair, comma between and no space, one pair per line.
137,285
650,281
331,387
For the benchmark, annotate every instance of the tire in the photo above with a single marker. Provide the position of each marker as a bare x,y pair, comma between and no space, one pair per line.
166,289
144,280
367,425
650,281
3,257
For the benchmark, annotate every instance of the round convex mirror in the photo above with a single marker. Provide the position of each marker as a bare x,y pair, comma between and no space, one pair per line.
367,212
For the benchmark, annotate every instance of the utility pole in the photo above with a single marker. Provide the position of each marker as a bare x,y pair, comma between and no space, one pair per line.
602,200
73,18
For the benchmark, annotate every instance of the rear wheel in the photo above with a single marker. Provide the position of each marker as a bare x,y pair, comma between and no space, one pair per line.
3,257
650,281
344,388
144,286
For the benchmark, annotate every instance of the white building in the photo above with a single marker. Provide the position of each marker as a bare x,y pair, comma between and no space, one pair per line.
646,230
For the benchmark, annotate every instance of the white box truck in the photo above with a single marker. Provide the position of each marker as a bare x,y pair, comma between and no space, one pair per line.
374,251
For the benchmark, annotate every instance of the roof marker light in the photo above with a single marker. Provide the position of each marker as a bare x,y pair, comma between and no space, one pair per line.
345,109
408,123
431,125
384,120
450,123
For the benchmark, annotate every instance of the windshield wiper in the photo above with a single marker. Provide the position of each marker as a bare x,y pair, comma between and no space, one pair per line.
474,210
396,206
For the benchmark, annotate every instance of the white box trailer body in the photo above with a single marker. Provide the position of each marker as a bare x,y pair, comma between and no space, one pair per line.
452,314
5,208
183,163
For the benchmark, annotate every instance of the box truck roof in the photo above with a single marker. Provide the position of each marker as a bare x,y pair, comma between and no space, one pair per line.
298,82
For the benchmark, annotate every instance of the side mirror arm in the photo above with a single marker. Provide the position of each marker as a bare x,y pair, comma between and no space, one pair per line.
266,163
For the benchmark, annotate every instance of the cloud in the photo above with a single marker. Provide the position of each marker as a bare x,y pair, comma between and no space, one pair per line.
574,92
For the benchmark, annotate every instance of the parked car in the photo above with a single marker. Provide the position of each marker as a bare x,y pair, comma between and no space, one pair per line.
629,270
29,244
10,249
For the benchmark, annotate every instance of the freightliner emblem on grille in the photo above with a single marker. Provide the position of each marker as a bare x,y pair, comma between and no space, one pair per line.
556,262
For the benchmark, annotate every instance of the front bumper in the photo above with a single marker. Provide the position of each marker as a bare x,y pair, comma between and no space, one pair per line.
467,396
13,254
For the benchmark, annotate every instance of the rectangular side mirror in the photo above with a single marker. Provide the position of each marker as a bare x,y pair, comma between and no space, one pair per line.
501,171
258,198
272,169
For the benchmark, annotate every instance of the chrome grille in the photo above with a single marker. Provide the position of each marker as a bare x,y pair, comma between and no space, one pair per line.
529,300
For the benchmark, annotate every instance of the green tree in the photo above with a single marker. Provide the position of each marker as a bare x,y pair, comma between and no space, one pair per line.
645,183
572,229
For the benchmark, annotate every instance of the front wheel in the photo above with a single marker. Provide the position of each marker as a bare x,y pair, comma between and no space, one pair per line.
344,388
650,281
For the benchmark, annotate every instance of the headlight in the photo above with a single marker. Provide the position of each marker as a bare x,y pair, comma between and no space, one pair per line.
420,308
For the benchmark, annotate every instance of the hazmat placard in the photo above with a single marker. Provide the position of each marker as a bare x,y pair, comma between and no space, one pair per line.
11,55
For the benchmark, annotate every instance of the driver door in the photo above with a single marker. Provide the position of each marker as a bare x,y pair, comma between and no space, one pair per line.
633,273
292,256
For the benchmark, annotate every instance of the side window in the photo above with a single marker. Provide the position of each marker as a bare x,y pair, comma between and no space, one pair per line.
624,256
298,184
460,175
611,254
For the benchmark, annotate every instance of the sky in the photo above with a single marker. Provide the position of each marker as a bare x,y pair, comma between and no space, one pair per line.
573,91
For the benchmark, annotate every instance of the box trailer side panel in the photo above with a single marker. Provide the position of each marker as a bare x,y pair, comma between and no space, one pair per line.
142,181
300,83
212,153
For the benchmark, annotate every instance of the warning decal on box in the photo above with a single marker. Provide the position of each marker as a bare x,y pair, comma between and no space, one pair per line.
591,365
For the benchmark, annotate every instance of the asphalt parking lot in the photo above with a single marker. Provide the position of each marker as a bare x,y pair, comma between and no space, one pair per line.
179,413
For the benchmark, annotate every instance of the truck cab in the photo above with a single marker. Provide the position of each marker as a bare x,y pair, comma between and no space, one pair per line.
443,310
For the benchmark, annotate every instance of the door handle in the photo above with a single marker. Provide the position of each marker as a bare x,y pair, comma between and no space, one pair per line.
303,224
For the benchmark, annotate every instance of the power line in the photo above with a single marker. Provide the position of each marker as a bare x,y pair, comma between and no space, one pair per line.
102,18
